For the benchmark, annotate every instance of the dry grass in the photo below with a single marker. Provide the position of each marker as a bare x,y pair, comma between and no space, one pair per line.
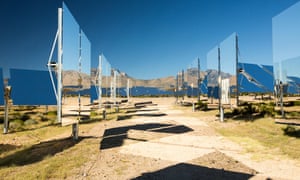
37,154
262,137
45,150
48,152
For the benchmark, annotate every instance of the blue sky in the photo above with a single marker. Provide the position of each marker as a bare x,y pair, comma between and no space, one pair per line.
144,38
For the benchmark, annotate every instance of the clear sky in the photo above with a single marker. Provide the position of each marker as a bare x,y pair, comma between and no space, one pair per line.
144,38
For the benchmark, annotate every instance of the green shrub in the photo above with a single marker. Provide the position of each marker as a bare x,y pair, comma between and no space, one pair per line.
294,114
296,103
236,111
93,113
30,122
291,131
52,113
246,109
249,109
201,106
266,109
25,117
43,118
16,125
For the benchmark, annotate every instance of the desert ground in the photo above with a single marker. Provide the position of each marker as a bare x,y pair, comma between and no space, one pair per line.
162,140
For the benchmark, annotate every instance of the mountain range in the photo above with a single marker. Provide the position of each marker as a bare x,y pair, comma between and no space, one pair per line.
71,78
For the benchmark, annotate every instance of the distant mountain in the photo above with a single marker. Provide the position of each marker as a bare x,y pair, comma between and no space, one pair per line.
71,78
213,74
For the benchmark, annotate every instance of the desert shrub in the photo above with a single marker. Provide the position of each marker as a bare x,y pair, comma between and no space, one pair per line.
296,103
24,117
248,109
30,122
291,131
16,115
52,113
201,105
21,116
93,113
16,125
266,109
41,117
52,121
292,103
236,111
272,104
294,114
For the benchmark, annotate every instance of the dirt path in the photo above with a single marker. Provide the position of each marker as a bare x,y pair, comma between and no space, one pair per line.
162,143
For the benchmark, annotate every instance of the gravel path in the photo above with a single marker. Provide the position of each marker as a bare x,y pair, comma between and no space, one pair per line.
161,142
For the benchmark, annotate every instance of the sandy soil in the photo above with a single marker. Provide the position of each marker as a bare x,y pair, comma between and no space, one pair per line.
160,142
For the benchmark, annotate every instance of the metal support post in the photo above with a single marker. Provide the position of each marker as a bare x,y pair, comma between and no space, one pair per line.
199,81
222,114
183,85
100,81
128,89
281,100
176,89
75,131
219,84
59,67
79,78
237,69
7,92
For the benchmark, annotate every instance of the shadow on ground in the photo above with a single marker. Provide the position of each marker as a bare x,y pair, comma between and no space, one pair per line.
129,116
38,152
7,147
140,110
191,172
76,116
291,131
115,137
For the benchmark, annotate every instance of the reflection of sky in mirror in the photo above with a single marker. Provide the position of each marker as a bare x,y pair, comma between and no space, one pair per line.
192,72
193,64
227,59
139,34
212,59
106,68
212,64
106,72
228,55
286,43
286,34
71,41
85,54
291,66
105,65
